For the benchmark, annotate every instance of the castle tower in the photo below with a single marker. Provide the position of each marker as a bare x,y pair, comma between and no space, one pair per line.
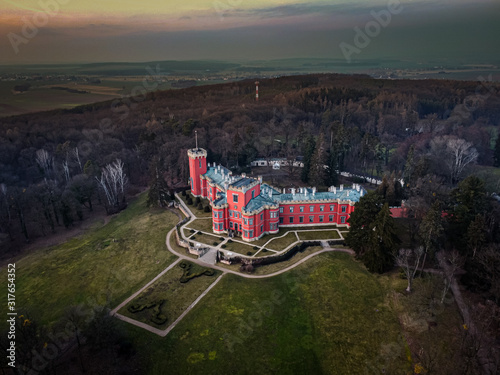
197,167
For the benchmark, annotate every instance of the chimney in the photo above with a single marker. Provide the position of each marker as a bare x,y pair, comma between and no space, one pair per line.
361,193
260,179
270,193
243,175
293,191
284,190
347,193
334,190
341,187
314,190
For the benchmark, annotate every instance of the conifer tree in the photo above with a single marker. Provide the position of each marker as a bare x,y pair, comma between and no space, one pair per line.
158,195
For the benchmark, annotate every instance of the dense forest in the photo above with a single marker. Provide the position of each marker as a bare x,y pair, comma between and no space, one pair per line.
56,166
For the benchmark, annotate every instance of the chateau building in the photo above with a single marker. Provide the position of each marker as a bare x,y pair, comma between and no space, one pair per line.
248,207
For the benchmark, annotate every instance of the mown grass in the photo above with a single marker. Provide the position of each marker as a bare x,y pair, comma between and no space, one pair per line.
328,316
193,207
319,235
240,248
177,296
205,239
205,225
282,243
103,266
275,267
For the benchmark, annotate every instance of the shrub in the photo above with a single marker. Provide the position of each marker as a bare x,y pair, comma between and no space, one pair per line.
221,238
207,209
223,246
197,200
189,201
215,243
230,241
193,238
183,193
256,248
264,250
191,230
199,207
137,307
249,253
192,271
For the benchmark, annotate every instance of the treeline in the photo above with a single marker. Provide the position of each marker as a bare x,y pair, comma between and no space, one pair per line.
352,123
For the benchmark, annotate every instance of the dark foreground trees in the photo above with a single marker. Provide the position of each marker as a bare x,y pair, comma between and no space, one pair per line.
372,234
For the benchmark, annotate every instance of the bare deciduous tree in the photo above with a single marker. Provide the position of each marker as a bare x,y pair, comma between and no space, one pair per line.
113,182
455,153
44,160
408,260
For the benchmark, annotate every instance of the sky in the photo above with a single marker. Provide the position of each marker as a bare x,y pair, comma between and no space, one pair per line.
78,31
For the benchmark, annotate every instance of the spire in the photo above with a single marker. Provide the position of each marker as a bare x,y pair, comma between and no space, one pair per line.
196,137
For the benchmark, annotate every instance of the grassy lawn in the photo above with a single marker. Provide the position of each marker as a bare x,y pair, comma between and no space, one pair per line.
270,268
282,243
108,263
205,225
240,248
194,210
205,239
329,316
176,296
319,235
264,252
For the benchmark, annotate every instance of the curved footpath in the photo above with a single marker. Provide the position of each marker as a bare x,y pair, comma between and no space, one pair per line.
225,270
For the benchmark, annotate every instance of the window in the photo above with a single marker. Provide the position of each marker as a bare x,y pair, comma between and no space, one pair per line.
301,219
291,220
245,233
311,219
230,213
291,209
261,228
251,234
253,195
321,208
235,198
344,208
311,208
245,221
330,218
211,191
301,208
281,210
342,219
200,163
321,219
250,221
231,224
235,207
332,208
262,216
281,220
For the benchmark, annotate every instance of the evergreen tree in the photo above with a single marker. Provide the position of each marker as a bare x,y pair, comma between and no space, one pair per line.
409,167
385,242
431,230
496,155
362,223
309,148
317,173
467,200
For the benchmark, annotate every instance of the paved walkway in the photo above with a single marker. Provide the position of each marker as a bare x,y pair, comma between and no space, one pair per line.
166,331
